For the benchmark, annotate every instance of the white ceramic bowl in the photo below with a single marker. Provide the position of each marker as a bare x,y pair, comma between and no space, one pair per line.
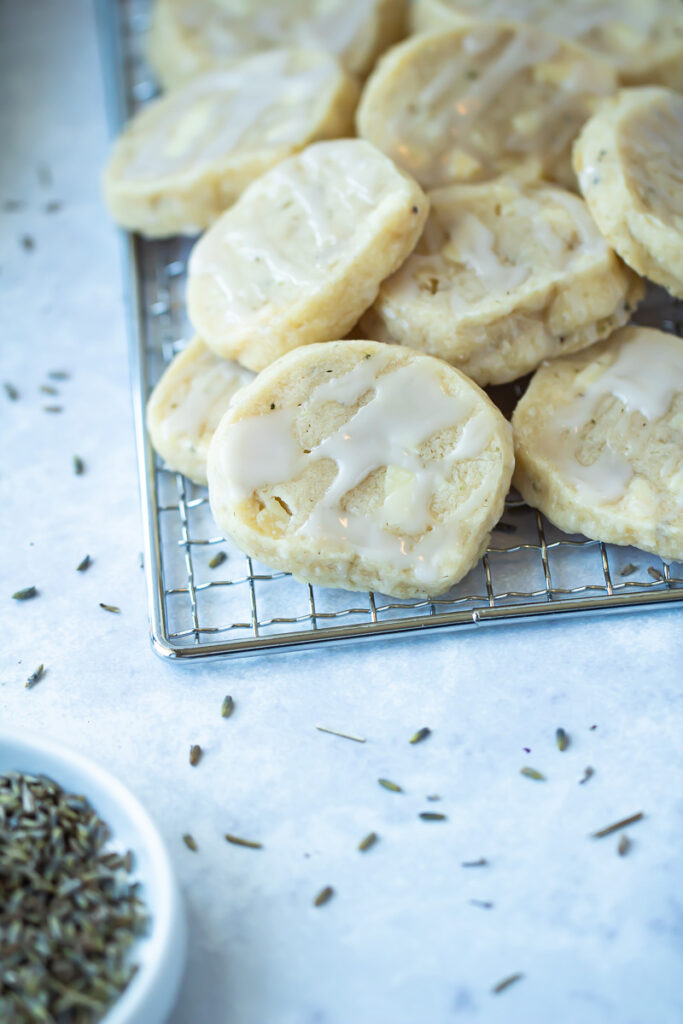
161,953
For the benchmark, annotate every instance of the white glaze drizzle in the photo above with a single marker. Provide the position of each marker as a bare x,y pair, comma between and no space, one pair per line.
644,377
407,408
576,20
652,154
309,196
475,244
331,26
524,50
456,131
260,450
470,240
200,397
296,231
268,95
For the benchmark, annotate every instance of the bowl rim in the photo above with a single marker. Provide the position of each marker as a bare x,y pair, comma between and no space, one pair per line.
167,935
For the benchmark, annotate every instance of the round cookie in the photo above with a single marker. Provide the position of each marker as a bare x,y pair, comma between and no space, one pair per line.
302,253
485,99
365,466
188,37
642,38
629,162
504,276
599,441
188,156
187,404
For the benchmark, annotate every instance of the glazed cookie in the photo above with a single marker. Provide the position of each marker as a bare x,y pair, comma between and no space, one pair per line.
365,466
629,162
188,156
642,38
504,276
187,404
302,253
188,37
599,441
486,99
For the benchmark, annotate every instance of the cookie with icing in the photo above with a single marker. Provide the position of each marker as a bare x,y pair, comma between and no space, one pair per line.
187,156
302,253
629,163
188,37
485,99
187,405
360,465
643,39
504,276
599,441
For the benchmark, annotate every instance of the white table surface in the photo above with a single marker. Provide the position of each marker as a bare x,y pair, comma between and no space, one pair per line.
597,936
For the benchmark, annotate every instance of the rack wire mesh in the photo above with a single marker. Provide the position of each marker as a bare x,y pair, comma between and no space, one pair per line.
531,569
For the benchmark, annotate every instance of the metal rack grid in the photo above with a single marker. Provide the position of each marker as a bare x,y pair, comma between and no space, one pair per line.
531,569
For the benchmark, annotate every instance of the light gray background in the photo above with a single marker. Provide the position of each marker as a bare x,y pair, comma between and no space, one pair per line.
598,937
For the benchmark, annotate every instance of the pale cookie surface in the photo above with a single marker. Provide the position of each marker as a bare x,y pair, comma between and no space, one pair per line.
188,37
599,441
186,157
486,99
642,38
365,466
629,162
302,253
504,276
187,404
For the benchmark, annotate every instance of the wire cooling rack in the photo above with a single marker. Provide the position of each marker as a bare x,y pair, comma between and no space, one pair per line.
531,569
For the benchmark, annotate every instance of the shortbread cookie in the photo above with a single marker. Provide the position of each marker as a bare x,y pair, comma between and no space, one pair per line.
188,37
365,466
629,162
302,253
504,276
188,156
187,404
642,38
486,99
599,441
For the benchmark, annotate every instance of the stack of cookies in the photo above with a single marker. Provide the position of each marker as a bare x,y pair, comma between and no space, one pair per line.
383,239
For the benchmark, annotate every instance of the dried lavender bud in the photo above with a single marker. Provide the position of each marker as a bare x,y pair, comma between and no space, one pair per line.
237,841
562,739
624,846
370,840
342,735
69,913
617,825
324,896
505,983
35,677
391,786
532,773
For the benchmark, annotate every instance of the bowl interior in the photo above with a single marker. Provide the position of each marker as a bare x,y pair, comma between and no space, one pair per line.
160,953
